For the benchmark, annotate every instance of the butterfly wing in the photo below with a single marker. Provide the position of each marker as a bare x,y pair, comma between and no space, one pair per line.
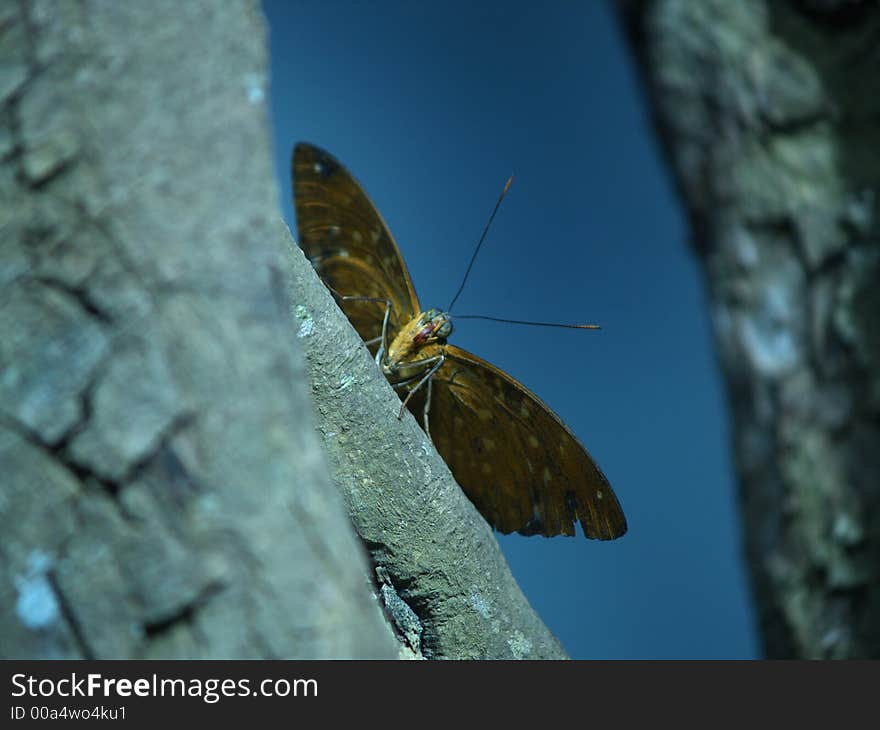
348,243
517,462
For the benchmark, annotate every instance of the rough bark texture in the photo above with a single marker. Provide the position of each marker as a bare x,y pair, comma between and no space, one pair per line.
769,112
442,574
164,492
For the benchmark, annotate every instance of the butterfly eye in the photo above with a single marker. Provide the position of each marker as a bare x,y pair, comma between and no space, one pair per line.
441,324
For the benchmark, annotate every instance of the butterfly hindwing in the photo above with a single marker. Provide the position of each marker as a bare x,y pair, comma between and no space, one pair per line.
348,243
517,462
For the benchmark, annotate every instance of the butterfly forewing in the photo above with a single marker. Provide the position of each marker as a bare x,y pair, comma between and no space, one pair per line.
517,462
348,243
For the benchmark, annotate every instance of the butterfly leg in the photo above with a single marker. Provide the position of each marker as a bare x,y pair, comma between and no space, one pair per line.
437,362
415,363
428,407
381,353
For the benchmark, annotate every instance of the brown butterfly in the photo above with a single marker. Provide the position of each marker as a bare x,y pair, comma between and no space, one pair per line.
517,462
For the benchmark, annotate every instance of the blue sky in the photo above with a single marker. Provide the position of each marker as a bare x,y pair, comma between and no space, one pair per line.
431,106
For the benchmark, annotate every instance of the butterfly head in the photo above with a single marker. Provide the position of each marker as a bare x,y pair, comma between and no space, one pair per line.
419,338
433,325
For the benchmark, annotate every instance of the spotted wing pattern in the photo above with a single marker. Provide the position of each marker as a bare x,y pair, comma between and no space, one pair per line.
517,462
348,243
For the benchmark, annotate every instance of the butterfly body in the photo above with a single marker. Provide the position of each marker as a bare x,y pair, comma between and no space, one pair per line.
516,460
420,341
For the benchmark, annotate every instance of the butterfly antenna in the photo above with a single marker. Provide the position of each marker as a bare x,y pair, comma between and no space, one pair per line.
533,324
480,243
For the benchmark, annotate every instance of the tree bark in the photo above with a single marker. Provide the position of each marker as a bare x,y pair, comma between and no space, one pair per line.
769,114
164,492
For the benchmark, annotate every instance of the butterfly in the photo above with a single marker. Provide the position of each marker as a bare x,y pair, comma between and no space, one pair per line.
515,459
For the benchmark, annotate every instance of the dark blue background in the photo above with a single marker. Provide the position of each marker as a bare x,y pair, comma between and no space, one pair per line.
431,106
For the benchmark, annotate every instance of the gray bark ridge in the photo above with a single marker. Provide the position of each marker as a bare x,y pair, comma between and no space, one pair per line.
428,541
164,492
769,114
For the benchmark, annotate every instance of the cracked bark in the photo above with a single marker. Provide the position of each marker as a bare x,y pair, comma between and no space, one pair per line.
157,440
164,491
768,112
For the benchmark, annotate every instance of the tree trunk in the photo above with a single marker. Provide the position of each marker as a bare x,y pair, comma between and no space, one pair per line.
769,113
164,492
